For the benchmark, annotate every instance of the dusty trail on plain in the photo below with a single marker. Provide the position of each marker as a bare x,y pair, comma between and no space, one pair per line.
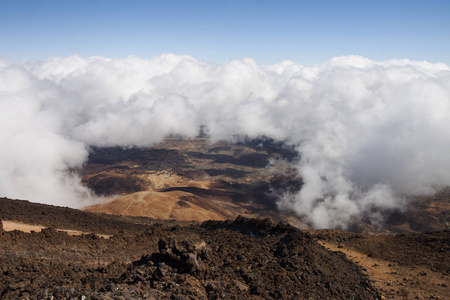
396,281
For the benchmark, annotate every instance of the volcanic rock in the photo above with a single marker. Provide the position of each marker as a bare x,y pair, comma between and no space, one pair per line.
244,258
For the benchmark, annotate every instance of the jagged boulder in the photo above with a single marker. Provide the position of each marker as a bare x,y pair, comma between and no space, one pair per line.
182,254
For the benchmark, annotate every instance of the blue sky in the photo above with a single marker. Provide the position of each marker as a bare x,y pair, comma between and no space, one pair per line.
307,32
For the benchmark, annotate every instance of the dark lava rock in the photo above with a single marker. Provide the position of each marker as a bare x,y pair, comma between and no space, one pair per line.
240,259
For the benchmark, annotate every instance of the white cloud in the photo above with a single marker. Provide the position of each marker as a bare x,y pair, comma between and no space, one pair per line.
367,132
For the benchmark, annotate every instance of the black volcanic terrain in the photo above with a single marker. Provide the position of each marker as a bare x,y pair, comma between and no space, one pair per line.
194,179
188,219
146,259
79,255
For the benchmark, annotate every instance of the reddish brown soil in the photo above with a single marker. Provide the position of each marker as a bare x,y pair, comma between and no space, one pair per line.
241,259
425,213
190,179
194,179
405,266
149,258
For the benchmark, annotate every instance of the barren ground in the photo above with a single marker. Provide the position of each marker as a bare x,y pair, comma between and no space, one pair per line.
198,180
167,234
397,281
136,258
147,259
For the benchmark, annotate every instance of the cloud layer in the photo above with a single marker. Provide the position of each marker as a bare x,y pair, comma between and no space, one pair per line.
367,132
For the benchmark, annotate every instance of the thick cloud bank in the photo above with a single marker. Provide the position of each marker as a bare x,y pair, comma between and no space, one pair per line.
368,132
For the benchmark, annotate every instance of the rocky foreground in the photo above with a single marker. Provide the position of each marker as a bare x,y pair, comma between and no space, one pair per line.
240,259
173,228
141,258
